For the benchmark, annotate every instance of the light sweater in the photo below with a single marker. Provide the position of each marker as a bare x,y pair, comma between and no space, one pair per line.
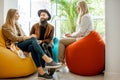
84,27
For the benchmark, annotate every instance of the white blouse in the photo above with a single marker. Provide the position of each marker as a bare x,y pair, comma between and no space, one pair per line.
83,28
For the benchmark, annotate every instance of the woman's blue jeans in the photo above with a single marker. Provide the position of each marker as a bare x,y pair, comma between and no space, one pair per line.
31,45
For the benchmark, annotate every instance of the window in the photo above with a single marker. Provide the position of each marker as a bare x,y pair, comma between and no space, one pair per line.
68,15
62,21
28,12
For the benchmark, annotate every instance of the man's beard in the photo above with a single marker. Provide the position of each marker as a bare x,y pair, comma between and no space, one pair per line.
43,22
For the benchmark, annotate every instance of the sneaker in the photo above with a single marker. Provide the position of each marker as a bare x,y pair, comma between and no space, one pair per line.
45,76
51,71
52,64
59,63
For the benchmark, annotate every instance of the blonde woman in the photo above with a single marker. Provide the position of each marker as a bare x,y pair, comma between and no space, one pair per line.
13,34
83,28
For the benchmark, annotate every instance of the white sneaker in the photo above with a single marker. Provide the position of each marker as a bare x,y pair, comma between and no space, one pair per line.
21,54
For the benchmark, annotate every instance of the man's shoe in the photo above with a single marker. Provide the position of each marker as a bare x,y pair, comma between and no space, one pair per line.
45,76
51,71
52,64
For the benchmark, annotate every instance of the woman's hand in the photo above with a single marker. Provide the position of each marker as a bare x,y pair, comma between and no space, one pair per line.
68,35
26,37
33,35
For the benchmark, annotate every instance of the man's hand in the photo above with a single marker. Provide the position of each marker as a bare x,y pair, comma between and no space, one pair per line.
39,41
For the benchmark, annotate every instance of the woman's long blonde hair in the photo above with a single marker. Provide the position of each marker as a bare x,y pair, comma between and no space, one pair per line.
83,7
10,17
83,10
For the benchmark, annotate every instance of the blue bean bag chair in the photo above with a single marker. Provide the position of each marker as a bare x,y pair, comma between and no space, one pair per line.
55,49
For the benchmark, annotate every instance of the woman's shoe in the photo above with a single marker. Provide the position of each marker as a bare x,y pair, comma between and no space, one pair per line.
52,64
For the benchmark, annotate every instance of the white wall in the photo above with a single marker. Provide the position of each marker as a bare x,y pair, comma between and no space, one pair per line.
1,12
112,71
5,5
9,4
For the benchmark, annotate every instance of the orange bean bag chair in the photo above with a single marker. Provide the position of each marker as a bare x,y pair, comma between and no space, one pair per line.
11,65
87,55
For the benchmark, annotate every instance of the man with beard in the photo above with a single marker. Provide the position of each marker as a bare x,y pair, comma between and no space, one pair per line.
44,33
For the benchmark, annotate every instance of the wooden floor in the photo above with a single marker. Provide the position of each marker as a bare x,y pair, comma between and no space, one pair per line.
62,74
